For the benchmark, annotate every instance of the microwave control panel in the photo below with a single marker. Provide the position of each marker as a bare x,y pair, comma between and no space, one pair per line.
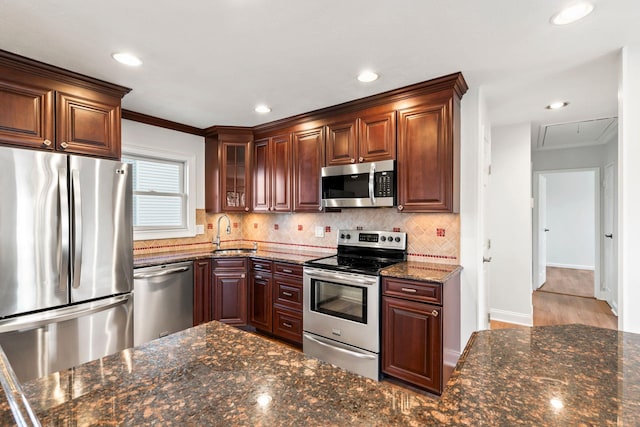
384,184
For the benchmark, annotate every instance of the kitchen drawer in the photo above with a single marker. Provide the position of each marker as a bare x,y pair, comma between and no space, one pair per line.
287,292
236,263
413,290
288,269
262,265
287,324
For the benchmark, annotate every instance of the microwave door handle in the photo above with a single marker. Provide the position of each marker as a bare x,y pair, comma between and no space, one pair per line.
372,177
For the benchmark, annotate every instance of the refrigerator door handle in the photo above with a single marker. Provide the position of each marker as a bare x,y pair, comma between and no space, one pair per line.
77,227
63,222
37,320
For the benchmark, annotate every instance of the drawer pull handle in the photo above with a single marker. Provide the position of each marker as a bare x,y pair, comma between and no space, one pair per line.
287,294
257,277
287,325
286,270
410,290
258,266
435,313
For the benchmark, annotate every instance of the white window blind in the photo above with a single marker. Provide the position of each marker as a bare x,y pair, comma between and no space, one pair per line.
160,194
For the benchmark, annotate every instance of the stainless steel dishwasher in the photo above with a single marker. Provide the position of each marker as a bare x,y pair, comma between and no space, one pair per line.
162,300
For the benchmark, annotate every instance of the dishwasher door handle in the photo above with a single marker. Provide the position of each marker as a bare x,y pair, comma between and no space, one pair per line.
160,273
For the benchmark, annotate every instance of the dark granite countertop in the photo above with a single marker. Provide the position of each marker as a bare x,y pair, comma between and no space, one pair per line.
214,374
274,254
425,271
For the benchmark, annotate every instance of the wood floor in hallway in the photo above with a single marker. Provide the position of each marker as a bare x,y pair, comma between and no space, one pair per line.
559,304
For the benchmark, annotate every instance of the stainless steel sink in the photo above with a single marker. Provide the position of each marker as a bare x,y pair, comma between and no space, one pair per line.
234,251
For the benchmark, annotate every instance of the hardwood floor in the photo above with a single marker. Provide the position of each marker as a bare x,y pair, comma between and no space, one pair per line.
569,281
567,297
557,309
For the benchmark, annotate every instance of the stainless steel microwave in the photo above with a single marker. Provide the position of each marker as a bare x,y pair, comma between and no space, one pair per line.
370,184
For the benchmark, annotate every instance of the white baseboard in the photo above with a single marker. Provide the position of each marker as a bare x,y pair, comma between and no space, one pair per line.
512,317
573,266
450,357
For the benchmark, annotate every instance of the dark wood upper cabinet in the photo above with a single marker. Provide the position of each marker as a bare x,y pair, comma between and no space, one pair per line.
429,155
87,127
228,152
272,174
308,160
45,107
369,137
26,115
377,138
342,143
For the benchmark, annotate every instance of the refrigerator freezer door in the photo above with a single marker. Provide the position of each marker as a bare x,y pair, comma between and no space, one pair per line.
34,239
42,343
101,228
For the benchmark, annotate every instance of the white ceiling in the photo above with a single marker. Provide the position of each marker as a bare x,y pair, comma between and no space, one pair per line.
210,62
577,134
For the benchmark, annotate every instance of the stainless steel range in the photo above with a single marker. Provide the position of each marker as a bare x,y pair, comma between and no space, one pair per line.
341,319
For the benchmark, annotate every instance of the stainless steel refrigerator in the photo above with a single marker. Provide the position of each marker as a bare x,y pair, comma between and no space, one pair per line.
66,260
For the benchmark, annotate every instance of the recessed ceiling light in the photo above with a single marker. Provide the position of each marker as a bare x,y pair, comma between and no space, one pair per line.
556,105
367,76
127,59
572,14
262,109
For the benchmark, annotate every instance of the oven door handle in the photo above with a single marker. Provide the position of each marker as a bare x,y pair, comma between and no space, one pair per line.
340,349
334,277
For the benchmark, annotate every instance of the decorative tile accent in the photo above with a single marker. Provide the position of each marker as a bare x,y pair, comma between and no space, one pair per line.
396,229
424,239
235,225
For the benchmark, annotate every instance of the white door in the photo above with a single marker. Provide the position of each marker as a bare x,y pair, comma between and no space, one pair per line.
484,235
542,230
609,277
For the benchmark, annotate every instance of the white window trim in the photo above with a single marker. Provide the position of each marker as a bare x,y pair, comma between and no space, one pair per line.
189,184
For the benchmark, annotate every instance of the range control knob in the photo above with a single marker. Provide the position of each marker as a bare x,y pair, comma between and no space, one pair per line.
398,239
348,236
342,236
390,238
383,239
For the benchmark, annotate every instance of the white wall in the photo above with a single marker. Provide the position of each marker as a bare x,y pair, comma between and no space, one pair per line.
474,304
142,135
628,194
571,216
569,158
509,224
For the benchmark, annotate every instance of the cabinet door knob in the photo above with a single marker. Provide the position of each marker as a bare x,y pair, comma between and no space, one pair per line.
361,159
242,276
46,143
400,207
353,160
246,209
64,145
320,208
435,313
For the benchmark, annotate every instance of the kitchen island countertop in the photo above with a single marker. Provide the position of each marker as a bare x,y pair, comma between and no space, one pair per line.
214,374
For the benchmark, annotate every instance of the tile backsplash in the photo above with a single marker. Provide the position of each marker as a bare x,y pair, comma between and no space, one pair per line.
430,237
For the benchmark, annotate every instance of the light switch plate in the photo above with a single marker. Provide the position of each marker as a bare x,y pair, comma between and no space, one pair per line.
319,231
199,228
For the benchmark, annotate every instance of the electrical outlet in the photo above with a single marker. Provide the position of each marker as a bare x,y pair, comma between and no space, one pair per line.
199,228
319,231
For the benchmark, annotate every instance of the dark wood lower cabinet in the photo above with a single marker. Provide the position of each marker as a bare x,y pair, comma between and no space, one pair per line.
201,287
413,342
228,297
420,330
287,324
260,291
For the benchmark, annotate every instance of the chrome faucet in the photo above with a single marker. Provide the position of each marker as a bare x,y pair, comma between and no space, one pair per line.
217,241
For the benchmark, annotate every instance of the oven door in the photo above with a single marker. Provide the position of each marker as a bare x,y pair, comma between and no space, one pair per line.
343,307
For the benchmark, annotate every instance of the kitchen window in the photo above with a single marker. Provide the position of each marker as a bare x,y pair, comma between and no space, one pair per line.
163,197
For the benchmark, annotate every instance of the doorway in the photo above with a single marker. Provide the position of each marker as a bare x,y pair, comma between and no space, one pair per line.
567,254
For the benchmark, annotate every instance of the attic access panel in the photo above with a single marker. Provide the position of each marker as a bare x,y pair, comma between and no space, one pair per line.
578,134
